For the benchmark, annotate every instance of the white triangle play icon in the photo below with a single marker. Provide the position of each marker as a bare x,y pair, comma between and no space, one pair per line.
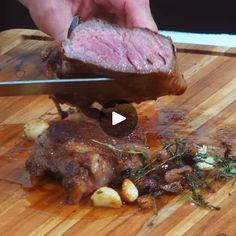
117,118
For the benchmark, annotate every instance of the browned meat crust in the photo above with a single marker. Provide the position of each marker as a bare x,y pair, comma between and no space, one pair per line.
67,150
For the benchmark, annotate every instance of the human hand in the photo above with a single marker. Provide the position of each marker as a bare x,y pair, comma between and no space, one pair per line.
54,16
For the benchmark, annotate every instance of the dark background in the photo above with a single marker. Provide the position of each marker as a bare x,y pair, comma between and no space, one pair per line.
179,15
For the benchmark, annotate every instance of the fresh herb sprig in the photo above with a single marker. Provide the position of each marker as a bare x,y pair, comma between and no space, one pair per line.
150,167
175,150
195,195
223,168
226,168
143,152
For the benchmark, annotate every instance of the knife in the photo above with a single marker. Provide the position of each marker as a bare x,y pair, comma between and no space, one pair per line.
87,90
54,86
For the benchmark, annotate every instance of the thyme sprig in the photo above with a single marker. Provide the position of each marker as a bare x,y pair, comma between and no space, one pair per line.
195,182
143,152
150,167
176,151
226,168
196,196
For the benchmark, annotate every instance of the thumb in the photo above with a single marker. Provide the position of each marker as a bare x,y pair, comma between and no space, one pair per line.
138,14
53,18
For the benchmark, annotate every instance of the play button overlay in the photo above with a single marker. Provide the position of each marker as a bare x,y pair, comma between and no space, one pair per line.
118,119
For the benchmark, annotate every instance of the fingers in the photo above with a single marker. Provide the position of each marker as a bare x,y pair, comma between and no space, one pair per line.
132,13
138,14
51,16
54,17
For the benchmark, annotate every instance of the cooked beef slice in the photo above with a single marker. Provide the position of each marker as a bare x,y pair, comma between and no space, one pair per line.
98,49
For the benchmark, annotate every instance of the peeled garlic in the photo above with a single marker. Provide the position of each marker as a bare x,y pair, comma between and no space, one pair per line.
106,197
34,128
202,149
129,192
208,164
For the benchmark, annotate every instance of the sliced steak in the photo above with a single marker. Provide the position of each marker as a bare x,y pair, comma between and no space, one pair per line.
96,48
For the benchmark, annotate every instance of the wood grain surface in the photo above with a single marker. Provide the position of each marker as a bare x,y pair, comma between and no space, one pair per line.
205,113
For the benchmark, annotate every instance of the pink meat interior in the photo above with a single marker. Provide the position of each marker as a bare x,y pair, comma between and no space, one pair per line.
121,49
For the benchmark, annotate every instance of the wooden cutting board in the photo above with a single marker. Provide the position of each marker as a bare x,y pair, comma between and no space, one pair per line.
205,113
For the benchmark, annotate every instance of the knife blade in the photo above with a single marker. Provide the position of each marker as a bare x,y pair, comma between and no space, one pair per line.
55,86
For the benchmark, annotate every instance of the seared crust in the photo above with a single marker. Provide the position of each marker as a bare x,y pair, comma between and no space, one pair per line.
68,151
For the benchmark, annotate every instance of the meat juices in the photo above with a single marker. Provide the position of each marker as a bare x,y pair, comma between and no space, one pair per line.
96,48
